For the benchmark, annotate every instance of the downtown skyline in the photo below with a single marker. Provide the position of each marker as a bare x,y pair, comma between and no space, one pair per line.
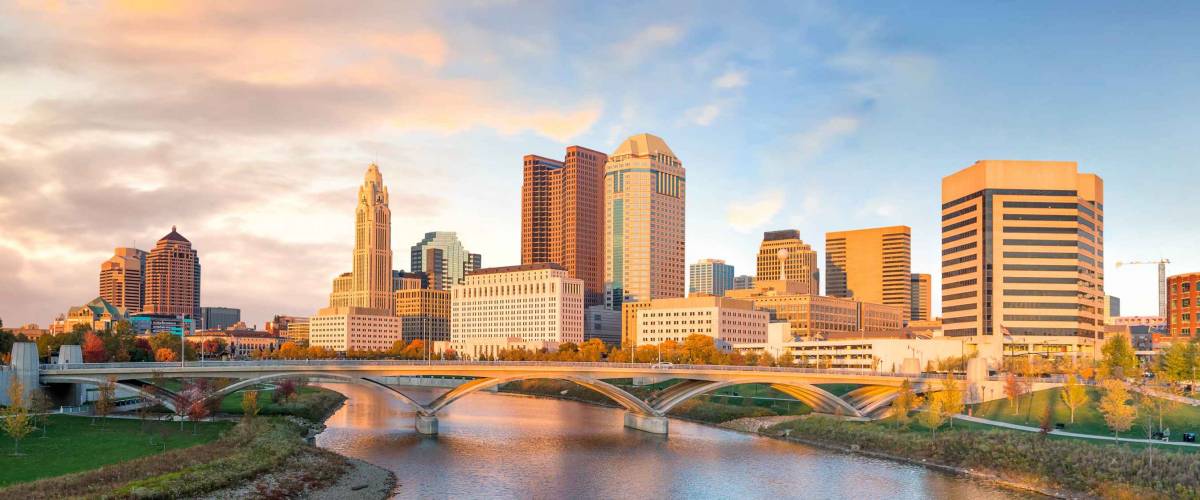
854,131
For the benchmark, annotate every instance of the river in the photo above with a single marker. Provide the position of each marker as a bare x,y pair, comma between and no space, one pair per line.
504,446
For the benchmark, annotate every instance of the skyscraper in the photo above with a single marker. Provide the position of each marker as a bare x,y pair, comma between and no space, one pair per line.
123,279
644,194
784,256
921,294
370,281
871,265
562,216
173,277
442,257
710,276
1022,250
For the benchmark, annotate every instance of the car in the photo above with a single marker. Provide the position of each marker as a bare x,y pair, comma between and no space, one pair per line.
662,365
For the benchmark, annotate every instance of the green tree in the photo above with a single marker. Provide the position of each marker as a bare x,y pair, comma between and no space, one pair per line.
1013,390
17,421
1074,395
1118,359
250,405
1118,413
904,403
104,399
934,415
40,405
952,397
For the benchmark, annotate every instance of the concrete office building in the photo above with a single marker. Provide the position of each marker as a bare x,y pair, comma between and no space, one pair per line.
600,322
562,216
290,328
644,193
920,296
817,317
782,256
724,319
345,329
173,277
123,279
535,304
424,314
743,281
885,355
1022,256
219,318
1183,305
441,256
871,265
710,277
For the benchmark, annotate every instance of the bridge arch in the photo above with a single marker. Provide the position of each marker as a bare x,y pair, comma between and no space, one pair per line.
817,398
618,395
156,394
250,382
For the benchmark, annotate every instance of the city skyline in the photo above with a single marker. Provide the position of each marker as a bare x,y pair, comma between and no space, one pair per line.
863,107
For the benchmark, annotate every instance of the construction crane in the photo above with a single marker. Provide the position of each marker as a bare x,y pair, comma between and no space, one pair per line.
1162,280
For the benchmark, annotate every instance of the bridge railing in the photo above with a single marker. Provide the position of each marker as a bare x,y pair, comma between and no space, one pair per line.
353,363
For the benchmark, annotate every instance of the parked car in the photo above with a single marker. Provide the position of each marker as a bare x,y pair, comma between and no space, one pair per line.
662,365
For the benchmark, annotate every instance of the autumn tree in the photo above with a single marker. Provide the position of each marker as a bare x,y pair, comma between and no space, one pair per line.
905,401
285,390
952,397
934,415
165,355
93,348
1013,390
40,405
104,399
1074,395
1118,413
250,405
1119,360
17,421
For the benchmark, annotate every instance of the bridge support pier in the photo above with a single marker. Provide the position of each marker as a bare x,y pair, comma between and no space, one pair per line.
427,424
646,423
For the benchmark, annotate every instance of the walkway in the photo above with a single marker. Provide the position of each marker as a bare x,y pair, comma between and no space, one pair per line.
1057,432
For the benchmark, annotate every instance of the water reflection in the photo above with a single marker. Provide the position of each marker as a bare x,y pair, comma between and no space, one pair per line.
501,446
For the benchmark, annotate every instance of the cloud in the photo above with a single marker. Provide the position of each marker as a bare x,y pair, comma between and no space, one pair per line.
731,79
811,143
644,43
704,115
746,215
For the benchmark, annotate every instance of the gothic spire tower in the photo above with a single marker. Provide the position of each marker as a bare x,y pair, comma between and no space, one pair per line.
371,278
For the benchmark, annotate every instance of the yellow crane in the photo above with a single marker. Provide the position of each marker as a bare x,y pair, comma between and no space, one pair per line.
1162,280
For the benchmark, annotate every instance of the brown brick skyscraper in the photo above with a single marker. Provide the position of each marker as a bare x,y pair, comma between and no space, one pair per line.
173,277
562,216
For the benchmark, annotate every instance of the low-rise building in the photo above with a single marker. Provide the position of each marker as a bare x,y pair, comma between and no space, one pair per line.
97,315
814,317
886,355
724,319
345,329
174,324
239,344
536,303
600,322
290,328
219,318
424,313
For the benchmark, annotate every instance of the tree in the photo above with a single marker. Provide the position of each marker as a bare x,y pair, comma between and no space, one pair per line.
1013,390
104,399
1155,406
165,355
285,390
1046,422
17,421
1118,359
41,405
1118,413
952,397
905,401
934,415
250,405
1074,395
93,348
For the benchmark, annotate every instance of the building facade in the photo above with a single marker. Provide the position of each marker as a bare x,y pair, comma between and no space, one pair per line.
562,216
743,281
1183,310
645,189
424,314
150,324
123,279
442,257
726,320
531,303
1112,308
97,315
345,329
600,322
783,256
871,265
710,277
289,328
173,277
1022,255
219,318
920,297
817,317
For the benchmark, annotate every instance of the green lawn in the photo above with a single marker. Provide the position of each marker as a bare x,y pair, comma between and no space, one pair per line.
1088,420
72,444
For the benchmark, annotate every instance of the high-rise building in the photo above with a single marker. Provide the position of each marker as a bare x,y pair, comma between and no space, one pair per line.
442,257
783,256
921,296
743,281
644,194
173,277
219,318
123,278
871,265
1112,308
710,277
562,216
1183,305
1022,256
533,306
362,305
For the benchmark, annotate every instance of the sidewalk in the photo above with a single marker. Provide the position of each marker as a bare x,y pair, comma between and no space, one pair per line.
1056,432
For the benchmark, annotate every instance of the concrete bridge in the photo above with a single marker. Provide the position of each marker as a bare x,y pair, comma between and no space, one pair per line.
870,400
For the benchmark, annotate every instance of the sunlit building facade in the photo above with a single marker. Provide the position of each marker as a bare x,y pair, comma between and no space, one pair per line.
920,297
173,277
710,277
783,256
443,259
123,279
871,265
535,303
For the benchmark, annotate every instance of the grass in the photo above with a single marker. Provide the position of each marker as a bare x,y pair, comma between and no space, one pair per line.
1088,419
72,444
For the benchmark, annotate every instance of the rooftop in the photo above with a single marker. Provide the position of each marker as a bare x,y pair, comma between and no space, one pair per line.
642,145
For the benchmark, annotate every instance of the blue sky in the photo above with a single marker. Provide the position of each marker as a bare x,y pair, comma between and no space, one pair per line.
249,127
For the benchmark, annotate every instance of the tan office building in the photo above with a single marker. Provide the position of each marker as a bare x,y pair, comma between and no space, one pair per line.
644,193
562,216
782,256
920,296
1022,256
871,265
816,317
536,303
724,319
173,277
123,279
424,314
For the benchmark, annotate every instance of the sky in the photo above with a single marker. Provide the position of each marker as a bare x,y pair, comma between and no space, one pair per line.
249,125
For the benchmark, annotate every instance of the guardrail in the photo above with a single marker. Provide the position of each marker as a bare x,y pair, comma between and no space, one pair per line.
347,363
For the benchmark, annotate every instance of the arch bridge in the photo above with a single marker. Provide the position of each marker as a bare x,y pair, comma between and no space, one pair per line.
870,400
